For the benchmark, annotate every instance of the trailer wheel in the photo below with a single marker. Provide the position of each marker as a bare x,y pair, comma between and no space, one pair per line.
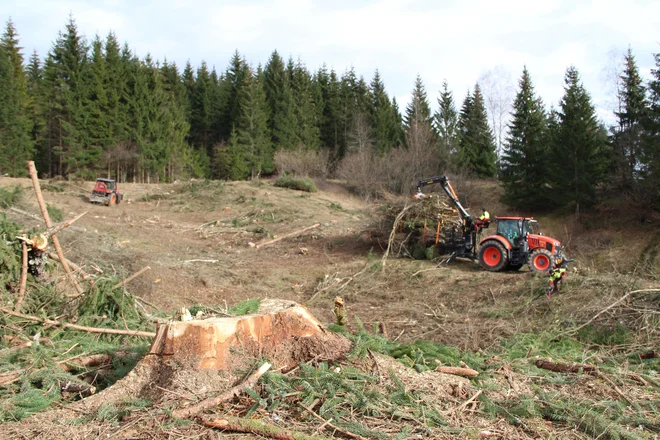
540,261
493,256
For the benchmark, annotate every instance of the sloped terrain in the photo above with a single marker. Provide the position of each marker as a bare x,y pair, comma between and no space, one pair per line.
199,239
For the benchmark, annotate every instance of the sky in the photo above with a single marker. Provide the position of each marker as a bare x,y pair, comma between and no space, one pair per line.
452,40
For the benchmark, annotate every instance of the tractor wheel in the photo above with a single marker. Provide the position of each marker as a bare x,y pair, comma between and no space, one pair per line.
493,256
541,261
113,200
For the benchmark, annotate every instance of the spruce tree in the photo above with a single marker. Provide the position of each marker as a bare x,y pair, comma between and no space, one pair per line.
253,136
280,103
383,119
201,110
578,152
331,121
650,168
446,121
418,110
16,144
628,135
307,132
476,144
525,172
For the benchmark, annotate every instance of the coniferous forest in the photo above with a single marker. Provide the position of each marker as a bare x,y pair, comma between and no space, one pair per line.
96,108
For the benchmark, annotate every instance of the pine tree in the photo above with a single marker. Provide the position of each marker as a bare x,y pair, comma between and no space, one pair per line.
16,144
280,103
446,121
418,110
578,149
383,119
628,136
525,172
201,110
331,121
253,136
651,147
477,145
307,132
99,125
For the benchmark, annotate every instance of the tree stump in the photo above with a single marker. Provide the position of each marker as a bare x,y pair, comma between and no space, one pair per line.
201,358
283,332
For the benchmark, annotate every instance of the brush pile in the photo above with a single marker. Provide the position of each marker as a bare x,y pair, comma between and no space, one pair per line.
424,228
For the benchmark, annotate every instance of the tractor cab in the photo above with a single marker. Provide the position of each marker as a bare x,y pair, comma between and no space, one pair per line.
105,192
518,242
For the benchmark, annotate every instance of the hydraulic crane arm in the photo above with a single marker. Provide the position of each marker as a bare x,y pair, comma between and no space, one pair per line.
446,186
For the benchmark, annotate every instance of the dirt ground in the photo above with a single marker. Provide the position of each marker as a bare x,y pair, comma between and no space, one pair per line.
199,239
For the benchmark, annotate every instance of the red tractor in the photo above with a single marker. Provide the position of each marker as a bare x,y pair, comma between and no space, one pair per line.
516,244
106,192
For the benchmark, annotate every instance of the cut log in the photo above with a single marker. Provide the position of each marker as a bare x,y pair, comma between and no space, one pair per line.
560,367
650,354
283,332
468,372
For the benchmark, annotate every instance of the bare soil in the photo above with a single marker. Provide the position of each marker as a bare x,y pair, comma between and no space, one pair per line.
198,238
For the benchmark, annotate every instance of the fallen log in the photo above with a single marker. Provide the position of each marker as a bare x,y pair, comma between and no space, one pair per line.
560,367
60,226
457,371
84,389
131,278
650,354
79,327
227,395
74,266
24,269
44,212
258,427
291,234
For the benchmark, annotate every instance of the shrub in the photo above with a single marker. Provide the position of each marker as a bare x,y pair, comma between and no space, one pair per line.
299,183
10,197
304,163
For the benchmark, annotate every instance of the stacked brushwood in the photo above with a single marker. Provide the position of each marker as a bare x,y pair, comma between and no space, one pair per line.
426,228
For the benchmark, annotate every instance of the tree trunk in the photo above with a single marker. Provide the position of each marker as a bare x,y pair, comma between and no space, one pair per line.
283,332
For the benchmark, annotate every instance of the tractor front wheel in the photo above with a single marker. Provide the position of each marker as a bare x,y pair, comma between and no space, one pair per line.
113,200
493,256
541,261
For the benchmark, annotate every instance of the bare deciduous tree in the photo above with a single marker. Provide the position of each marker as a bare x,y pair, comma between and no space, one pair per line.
499,91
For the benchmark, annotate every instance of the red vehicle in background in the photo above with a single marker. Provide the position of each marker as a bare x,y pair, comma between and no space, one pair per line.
106,192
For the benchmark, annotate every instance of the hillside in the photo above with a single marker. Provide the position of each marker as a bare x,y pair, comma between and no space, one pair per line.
197,239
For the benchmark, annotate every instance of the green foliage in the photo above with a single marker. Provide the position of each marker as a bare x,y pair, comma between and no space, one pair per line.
578,148
618,335
245,307
9,198
114,304
476,151
55,213
299,183
10,252
525,162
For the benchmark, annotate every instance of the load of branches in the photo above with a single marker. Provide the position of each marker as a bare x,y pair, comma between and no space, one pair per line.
419,228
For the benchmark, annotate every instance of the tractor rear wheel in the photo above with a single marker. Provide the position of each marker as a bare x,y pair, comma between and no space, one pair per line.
493,256
541,261
113,200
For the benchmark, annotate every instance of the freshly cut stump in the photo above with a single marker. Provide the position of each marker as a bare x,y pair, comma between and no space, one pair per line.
283,332
200,358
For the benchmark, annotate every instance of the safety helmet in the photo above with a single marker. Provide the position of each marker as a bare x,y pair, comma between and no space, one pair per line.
559,261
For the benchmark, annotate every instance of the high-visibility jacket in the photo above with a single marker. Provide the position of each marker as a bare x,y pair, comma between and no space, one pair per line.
557,274
484,216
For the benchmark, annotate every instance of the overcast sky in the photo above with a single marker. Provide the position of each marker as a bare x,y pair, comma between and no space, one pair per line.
451,39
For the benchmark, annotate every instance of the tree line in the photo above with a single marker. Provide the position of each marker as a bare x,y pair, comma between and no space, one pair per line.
91,108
